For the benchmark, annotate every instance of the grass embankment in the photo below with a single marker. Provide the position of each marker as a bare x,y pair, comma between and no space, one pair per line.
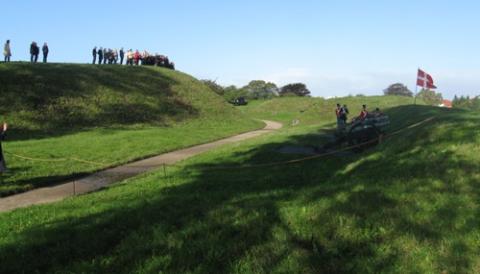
410,205
104,114
312,111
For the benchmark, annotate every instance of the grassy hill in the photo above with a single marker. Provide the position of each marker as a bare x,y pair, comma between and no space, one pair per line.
312,111
104,114
409,205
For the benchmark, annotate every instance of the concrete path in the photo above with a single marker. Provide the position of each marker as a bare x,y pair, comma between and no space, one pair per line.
104,178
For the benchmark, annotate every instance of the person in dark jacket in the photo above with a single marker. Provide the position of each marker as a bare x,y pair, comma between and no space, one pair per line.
3,165
100,55
45,52
94,55
33,49
105,55
122,54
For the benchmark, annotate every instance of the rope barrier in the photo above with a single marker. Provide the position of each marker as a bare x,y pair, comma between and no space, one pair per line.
294,161
242,166
52,159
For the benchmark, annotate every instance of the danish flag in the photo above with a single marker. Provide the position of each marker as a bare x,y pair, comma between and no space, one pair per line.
425,80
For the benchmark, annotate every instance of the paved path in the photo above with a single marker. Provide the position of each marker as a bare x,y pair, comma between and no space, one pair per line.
104,178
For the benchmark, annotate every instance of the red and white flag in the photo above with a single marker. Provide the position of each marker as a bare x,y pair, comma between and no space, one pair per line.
425,80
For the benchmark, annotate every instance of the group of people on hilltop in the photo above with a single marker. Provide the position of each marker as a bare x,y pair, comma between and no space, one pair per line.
113,56
35,51
342,115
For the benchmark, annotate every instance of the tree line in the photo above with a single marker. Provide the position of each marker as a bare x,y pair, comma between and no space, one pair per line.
430,97
258,89
466,102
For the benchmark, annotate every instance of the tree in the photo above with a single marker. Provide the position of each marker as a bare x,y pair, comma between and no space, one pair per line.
218,89
232,93
296,89
398,89
259,89
466,102
430,97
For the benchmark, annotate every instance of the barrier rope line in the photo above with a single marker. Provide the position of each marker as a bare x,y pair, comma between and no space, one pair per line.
294,161
241,166
52,160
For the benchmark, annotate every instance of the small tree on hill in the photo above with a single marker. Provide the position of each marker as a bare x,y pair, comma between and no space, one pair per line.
297,89
259,89
430,97
218,89
398,89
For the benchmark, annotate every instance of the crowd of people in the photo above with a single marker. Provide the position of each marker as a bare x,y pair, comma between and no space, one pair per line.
114,56
103,55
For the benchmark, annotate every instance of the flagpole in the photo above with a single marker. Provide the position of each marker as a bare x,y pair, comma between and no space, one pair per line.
416,91
416,88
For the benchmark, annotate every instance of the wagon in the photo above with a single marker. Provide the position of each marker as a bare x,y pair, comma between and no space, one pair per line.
361,134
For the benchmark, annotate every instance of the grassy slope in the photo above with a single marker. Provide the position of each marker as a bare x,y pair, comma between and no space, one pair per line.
403,207
317,110
105,114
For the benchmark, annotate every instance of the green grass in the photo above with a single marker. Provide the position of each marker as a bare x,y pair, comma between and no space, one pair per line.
410,205
312,111
105,114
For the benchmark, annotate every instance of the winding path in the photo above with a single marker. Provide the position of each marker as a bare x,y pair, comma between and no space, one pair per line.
104,178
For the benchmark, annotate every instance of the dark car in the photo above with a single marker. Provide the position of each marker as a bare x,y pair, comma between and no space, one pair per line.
240,101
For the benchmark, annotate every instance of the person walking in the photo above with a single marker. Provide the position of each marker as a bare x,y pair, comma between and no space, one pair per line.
45,52
122,54
7,52
100,56
94,55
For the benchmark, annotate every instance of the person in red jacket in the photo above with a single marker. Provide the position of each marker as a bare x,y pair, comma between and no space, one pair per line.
363,113
136,57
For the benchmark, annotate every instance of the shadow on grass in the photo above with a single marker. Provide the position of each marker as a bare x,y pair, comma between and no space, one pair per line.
61,98
364,213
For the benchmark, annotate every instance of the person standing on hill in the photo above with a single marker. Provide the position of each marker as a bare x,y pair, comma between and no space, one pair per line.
100,55
115,56
105,55
3,165
7,52
94,55
33,50
136,57
363,114
130,57
338,114
45,52
122,54
344,114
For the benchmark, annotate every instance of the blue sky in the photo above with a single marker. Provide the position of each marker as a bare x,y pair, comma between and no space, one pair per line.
335,47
